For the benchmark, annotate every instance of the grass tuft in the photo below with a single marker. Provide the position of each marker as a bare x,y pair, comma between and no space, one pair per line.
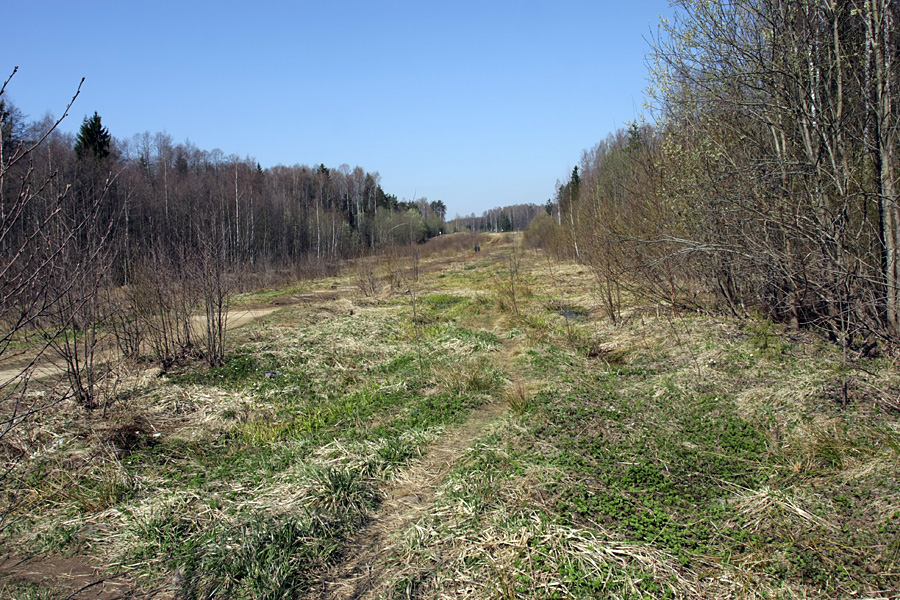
517,397
341,493
268,557
467,376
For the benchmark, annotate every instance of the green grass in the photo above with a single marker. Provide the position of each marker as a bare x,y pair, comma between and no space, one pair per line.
27,591
380,417
687,458
676,472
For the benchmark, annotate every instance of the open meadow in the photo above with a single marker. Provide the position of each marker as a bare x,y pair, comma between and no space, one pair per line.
439,423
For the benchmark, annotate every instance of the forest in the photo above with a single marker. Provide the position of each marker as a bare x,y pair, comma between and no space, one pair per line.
768,181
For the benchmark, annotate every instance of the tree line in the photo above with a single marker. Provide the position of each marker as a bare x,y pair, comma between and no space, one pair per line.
273,217
515,217
768,181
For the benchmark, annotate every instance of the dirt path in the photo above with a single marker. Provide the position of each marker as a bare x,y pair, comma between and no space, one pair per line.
73,576
236,317
409,498
51,366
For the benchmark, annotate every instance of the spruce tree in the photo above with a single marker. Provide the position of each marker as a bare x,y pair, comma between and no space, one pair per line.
93,139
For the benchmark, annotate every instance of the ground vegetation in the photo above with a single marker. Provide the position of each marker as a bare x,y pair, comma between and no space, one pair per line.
497,435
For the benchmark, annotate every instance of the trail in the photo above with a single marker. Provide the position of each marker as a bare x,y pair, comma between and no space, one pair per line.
74,576
48,365
410,497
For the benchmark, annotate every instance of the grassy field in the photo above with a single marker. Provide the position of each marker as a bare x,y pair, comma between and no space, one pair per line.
470,425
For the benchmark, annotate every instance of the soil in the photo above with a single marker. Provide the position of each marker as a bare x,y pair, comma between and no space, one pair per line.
72,578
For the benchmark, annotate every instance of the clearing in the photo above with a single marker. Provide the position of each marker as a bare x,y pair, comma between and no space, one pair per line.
460,425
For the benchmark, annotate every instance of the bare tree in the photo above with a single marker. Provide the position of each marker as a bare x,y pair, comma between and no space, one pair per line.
214,272
774,113
78,321
31,209
38,235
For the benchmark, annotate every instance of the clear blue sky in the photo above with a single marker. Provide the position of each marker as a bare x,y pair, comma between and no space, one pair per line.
476,103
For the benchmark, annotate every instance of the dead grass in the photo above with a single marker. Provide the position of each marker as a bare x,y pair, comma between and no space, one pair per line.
518,397
688,457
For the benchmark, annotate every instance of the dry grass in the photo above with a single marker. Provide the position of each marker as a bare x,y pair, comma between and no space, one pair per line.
465,376
688,457
518,397
766,505
497,550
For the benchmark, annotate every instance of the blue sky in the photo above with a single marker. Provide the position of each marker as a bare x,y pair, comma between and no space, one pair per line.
478,104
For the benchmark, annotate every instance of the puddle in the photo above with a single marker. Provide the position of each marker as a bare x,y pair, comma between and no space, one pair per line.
572,314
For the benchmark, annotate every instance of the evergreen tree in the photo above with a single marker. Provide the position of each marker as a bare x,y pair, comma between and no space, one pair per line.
439,209
93,139
12,126
567,195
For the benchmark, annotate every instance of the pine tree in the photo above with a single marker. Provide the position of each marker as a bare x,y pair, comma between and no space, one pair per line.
93,139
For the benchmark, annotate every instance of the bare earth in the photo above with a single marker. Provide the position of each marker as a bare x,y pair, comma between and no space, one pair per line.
73,575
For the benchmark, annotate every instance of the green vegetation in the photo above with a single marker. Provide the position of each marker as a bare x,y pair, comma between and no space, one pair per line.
542,452
647,480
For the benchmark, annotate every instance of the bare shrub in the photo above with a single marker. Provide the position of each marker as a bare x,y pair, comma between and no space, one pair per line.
213,271
547,234
48,299
366,277
510,285
161,300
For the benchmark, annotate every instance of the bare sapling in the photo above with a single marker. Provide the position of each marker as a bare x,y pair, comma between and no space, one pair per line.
412,281
571,333
367,280
214,272
509,285
79,327
45,306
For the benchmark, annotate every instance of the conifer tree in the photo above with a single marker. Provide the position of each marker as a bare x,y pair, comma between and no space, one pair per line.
93,139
